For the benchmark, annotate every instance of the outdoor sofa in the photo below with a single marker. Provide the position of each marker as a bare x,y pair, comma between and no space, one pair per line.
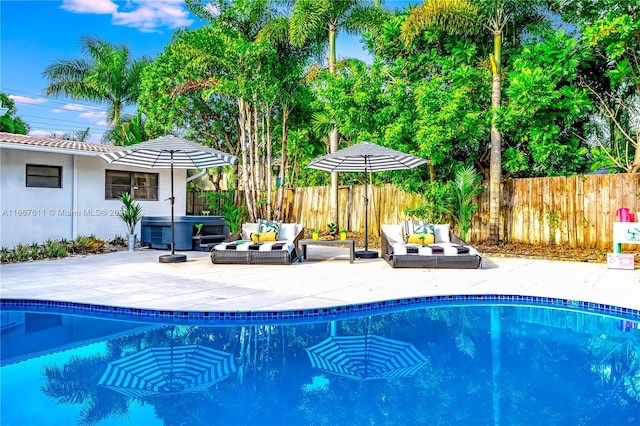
400,249
240,249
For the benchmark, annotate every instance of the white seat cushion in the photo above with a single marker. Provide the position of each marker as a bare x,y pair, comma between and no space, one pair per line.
248,228
289,231
244,246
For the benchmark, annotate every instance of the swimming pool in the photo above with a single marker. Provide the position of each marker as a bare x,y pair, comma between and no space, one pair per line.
408,363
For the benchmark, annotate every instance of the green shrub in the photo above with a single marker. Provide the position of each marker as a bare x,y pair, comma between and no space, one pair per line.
119,240
434,210
5,255
21,253
61,249
233,215
466,186
85,245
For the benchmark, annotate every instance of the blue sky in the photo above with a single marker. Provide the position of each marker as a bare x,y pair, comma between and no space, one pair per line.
36,33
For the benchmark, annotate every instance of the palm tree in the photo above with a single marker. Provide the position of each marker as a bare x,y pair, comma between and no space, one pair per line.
78,135
309,19
464,17
108,76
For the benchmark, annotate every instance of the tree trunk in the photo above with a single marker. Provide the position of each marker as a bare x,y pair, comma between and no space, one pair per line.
333,135
283,160
244,171
635,167
267,163
495,162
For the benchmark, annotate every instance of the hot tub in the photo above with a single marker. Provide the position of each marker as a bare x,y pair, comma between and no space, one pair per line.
156,231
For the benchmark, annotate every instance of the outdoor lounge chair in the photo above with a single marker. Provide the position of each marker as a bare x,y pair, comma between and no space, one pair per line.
446,251
240,249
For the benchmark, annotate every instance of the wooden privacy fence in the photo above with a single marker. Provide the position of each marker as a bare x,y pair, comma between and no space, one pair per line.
578,211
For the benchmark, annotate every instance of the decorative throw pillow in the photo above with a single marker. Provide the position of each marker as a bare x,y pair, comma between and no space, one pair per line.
422,238
442,233
423,229
413,227
269,225
267,236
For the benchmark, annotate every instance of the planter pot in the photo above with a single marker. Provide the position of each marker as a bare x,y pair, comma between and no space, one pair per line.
343,236
131,242
314,236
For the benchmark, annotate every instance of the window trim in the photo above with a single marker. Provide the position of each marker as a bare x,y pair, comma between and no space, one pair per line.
32,175
132,184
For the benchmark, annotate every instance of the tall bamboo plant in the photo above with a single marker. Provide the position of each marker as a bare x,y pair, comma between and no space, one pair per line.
466,185
234,214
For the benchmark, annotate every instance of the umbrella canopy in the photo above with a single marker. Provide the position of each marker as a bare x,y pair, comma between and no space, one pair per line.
168,371
366,357
366,157
169,152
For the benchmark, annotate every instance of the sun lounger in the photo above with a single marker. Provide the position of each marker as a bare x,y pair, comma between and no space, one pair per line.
240,249
446,251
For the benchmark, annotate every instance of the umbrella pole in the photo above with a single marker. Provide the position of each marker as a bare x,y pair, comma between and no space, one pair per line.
366,254
173,199
173,257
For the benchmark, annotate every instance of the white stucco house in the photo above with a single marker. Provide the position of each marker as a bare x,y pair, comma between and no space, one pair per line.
54,189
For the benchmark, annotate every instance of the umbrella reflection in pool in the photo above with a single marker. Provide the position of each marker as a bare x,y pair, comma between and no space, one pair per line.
168,371
366,357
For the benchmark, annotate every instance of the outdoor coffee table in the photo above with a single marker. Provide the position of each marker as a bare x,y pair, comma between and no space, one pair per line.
302,246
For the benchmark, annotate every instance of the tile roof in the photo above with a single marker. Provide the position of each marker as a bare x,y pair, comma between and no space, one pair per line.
61,144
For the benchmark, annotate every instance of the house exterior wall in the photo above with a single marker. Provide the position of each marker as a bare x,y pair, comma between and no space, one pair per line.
79,208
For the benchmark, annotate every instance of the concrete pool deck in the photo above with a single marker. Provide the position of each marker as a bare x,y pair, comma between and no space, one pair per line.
325,279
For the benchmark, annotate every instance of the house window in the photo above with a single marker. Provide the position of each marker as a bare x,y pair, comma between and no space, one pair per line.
142,186
44,176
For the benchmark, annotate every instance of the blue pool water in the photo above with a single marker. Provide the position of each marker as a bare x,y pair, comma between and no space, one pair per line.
436,365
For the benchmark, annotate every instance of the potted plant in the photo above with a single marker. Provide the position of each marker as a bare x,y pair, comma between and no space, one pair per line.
343,234
333,230
130,213
315,234
197,236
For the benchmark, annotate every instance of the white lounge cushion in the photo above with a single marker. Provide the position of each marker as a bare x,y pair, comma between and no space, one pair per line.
393,233
449,250
442,233
248,228
289,231
244,246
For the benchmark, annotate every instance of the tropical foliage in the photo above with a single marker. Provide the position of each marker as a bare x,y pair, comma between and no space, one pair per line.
515,88
9,121
108,75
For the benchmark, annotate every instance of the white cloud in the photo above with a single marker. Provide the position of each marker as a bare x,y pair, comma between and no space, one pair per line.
99,7
79,107
145,15
39,133
23,100
93,116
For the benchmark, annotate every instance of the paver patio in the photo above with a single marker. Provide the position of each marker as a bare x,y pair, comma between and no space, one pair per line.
325,279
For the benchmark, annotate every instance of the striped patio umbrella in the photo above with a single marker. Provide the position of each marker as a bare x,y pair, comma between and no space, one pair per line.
366,357
168,371
169,152
366,157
